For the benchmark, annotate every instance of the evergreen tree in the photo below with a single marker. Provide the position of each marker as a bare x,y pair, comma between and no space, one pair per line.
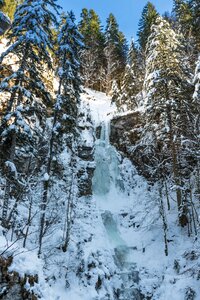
65,109
4,20
188,22
84,22
122,52
148,18
194,6
168,111
1,3
30,41
132,80
92,57
170,18
9,7
183,16
115,51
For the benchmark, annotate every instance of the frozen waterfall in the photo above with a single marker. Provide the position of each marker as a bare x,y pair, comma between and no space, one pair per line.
108,187
106,174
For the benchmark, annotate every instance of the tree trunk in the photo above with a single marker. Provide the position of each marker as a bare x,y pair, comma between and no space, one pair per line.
162,212
69,209
183,220
45,189
8,183
46,182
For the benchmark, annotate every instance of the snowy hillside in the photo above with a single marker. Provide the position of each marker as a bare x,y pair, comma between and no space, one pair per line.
132,217
116,248
99,153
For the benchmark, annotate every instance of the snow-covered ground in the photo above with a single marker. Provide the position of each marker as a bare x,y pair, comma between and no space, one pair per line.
135,208
116,249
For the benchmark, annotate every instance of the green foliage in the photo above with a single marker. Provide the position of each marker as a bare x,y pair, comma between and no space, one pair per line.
132,80
26,83
84,23
9,7
194,6
166,73
187,21
112,30
68,53
183,14
1,3
90,26
93,58
104,53
169,113
148,17
116,52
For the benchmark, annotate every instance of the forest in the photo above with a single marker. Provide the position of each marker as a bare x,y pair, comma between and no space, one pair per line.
99,154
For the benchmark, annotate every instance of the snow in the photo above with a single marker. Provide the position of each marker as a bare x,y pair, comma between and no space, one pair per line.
11,166
117,230
131,210
27,263
100,105
65,157
87,138
46,177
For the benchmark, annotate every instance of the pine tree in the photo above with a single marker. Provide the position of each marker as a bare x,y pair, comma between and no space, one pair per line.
65,109
115,51
30,41
148,18
188,22
194,6
168,111
92,57
1,3
183,16
122,52
132,81
9,7
5,22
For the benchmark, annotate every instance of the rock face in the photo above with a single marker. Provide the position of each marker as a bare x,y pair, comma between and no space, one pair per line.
85,154
125,130
4,23
86,170
125,134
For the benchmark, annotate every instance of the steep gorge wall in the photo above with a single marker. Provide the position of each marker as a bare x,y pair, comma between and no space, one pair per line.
125,134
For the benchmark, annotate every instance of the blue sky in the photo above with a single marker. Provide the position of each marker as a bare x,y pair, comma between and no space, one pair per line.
127,12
